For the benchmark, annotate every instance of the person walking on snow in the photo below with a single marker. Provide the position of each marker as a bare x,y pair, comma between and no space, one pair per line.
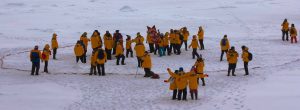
173,86
139,51
128,46
108,43
120,53
35,57
232,58
101,58
181,81
194,44
201,37
147,64
245,57
224,43
54,45
285,30
79,52
45,56
293,34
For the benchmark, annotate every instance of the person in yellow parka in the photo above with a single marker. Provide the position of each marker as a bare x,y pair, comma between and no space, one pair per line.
108,43
166,43
172,42
194,44
181,81
93,63
120,53
150,42
201,37
139,38
84,39
285,30
128,46
45,56
177,42
96,40
173,86
35,58
147,64
193,84
79,52
161,45
245,57
101,58
232,58
186,35
293,34
54,45
199,65
224,43
139,51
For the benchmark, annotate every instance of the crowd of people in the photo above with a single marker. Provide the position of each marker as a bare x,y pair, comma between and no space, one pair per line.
161,44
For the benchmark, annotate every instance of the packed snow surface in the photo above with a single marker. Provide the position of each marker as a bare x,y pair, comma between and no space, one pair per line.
273,83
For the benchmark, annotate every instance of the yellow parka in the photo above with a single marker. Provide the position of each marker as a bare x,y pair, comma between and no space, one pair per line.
293,32
140,50
185,34
101,61
119,50
285,26
245,55
177,38
96,40
46,53
200,34
147,63
172,38
139,39
166,39
226,47
85,40
160,42
232,57
199,66
128,44
193,83
180,80
172,83
149,39
93,59
108,41
194,44
54,43
78,50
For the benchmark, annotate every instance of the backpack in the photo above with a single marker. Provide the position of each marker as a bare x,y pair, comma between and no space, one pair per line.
35,57
223,42
250,56
44,56
181,37
100,54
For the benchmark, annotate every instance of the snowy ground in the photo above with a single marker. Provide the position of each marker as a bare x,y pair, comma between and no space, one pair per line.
272,84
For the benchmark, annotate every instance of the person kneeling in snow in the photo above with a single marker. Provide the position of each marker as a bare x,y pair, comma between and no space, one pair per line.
79,52
147,64
181,81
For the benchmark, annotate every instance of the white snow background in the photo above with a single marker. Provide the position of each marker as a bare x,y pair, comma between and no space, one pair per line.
273,83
